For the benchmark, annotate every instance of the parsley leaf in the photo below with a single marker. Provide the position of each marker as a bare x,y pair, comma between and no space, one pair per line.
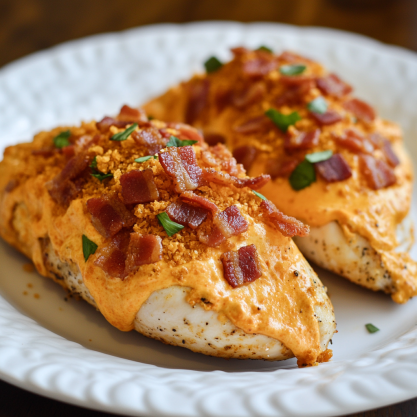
178,143
318,105
371,328
213,64
93,164
303,175
265,49
170,227
283,121
145,158
319,156
292,69
125,134
259,195
61,140
89,247
100,176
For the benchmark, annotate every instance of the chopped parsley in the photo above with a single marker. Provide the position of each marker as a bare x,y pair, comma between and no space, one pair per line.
283,121
265,49
170,227
319,156
259,195
61,140
145,158
89,247
371,328
174,141
303,175
96,173
213,64
125,134
318,105
292,69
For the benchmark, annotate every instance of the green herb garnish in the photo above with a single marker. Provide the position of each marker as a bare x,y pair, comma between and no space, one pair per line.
319,156
150,117
265,49
371,328
292,69
125,134
302,176
61,140
178,143
259,195
213,64
96,173
283,121
93,164
170,227
89,247
318,105
145,158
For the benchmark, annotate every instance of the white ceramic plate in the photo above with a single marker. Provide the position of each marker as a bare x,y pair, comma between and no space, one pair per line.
67,351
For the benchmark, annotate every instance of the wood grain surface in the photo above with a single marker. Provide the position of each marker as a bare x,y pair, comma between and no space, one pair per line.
27,26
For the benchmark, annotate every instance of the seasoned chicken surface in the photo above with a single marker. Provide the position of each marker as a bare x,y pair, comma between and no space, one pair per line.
164,235
335,165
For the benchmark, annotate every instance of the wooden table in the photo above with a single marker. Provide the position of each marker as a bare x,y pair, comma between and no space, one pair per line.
31,25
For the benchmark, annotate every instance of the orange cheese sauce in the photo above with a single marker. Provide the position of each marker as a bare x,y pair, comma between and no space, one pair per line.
280,304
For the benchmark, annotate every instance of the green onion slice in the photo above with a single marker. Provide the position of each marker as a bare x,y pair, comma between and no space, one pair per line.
174,141
265,49
292,69
302,176
100,176
319,156
145,158
125,134
371,328
213,64
89,247
283,121
170,227
61,140
318,105
259,195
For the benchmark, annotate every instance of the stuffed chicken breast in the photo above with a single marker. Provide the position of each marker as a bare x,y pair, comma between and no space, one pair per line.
334,163
165,235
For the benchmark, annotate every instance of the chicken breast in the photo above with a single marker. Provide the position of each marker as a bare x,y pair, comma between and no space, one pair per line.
175,246
335,164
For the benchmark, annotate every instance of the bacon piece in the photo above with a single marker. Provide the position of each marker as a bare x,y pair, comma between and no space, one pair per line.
214,138
218,177
245,155
190,197
249,95
225,224
198,92
150,138
329,118
131,115
68,151
186,214
354,141
45,152
334,169
304,140
62,188
332,85
253,125
109,215
142,250
385,145
112,256
295,93
378,174
242,266
231,167
259,66
104,124
288,226
298,80
239,50
292,58
181,165
138,187
363,111
280,169
187,132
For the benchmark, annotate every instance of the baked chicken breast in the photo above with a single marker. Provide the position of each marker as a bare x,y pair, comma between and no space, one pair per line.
334,163
165,235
